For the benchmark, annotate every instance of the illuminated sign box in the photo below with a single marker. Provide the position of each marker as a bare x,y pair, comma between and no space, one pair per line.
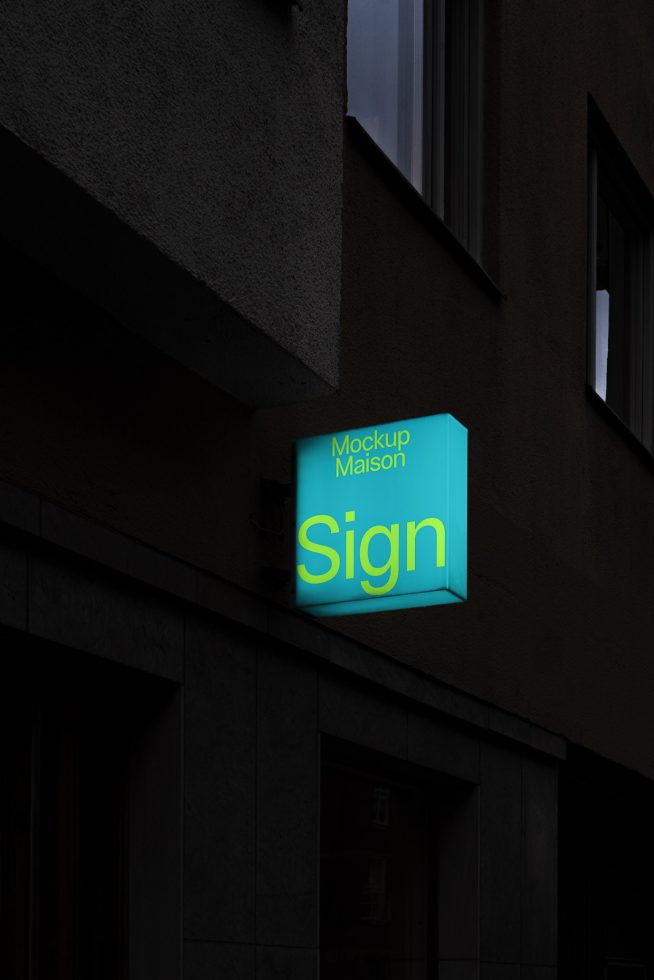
382,517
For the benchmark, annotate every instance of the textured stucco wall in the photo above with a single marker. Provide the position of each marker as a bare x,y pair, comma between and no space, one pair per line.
212,129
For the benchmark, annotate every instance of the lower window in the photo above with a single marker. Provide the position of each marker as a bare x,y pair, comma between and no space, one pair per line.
63,795
377,847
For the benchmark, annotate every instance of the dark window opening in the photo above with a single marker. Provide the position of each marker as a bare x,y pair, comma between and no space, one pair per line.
606,871
377,868
63,811
621,301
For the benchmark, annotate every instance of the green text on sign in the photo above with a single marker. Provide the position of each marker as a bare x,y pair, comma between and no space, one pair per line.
382,517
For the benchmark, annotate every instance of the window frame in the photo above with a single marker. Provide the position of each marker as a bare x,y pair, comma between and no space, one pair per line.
143,716
454,846
368,769
456,79
609,168
464,145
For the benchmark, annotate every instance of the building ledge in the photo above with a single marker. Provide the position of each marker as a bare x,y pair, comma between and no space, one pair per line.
26,514
50,218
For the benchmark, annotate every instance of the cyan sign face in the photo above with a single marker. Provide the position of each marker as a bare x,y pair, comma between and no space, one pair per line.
382,517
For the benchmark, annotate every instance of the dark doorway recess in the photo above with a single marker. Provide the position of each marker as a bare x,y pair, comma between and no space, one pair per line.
64,812
606,853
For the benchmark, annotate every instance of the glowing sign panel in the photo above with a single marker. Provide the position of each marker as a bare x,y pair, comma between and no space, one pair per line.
382,517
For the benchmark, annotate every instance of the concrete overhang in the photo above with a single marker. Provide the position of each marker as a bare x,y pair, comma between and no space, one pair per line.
50,218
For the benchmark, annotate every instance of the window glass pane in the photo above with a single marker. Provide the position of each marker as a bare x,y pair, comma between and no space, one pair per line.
614,311
602,299
384,73
602,308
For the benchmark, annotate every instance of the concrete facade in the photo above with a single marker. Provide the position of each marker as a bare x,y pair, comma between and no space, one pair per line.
161,114
420,334
203,260
253,703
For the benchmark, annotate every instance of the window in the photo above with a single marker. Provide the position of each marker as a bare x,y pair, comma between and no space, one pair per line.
621,279
414,84
63,819
90,835
399,868
376,869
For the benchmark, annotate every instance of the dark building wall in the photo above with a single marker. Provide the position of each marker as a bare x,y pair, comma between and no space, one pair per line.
108,427
234,710
558,624
140,540
559,620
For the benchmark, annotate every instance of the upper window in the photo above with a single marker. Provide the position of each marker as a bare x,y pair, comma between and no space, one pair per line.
621,274
414,84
